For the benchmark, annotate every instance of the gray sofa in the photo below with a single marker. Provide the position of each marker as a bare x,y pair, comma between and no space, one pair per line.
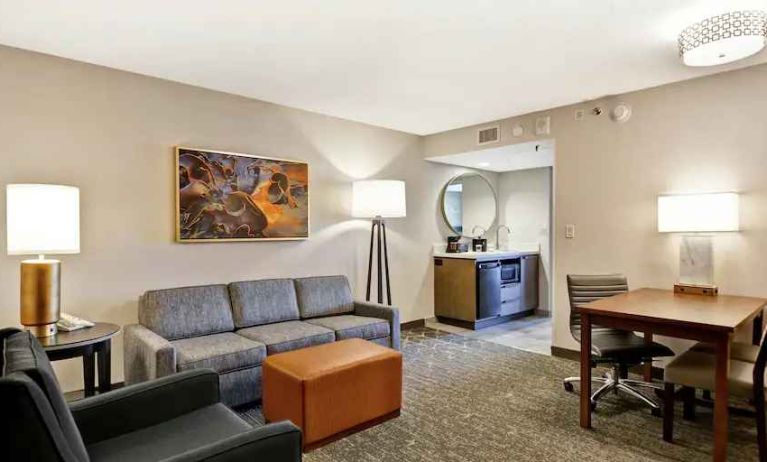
232,328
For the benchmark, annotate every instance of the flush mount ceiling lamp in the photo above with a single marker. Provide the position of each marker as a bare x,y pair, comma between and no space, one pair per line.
724,38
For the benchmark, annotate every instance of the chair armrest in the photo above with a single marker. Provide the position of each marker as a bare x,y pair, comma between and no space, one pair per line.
376,310
278,442
138,406
147,356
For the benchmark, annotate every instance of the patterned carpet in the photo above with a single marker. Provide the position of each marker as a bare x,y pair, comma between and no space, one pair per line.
472,400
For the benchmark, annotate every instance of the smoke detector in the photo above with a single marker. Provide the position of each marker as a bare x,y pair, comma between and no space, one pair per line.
621,113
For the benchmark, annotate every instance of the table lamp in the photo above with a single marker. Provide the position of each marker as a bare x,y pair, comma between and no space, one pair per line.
42,219
378,199
697,213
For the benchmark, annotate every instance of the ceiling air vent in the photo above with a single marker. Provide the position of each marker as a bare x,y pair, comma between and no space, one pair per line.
489,135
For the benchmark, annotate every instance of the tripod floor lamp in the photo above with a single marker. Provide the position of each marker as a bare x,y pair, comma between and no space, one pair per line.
378,199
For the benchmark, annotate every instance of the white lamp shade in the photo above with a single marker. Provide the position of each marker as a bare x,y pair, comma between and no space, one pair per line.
378,198
42,219
709,212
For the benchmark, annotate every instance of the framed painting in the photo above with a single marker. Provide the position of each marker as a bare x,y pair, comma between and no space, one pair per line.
227,196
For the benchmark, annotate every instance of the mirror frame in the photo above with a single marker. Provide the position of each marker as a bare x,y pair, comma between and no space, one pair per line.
442,203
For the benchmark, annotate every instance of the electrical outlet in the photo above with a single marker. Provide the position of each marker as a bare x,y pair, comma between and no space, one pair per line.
569,231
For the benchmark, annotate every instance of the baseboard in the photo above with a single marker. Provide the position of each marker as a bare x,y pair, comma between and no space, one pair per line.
483,323
575,355
418,323
566,353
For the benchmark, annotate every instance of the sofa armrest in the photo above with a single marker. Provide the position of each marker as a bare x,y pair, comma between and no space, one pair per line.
376,310
147,356
278,442
138,406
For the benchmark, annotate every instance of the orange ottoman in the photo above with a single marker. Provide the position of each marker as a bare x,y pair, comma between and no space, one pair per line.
334,389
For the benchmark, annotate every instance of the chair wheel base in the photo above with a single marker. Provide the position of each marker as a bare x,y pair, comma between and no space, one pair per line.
568,387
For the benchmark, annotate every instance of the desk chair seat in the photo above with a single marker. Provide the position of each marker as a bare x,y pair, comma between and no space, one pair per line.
621,349
739,351
611,344
696,369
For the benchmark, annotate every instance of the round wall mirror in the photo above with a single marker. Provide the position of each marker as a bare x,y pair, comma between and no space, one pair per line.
469,205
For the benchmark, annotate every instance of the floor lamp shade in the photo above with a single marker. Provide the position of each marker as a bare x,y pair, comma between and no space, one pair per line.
42,219
378,199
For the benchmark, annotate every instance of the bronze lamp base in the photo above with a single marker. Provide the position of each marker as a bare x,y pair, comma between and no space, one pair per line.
40,296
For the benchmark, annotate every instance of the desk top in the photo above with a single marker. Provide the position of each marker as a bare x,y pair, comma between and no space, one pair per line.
87,336
721,312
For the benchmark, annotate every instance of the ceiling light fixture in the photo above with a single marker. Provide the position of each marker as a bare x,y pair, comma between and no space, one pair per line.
724,38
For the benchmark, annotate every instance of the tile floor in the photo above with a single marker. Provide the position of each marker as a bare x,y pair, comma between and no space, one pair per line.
531,333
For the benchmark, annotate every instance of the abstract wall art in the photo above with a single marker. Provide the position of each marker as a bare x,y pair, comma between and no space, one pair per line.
226,196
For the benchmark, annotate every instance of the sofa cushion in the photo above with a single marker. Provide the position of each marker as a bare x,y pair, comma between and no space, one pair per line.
190,431
323,296
22,353
350,326
263,302
220,352
186,311
289,335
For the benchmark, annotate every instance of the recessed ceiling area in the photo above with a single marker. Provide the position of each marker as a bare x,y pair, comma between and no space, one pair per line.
521,156
422,66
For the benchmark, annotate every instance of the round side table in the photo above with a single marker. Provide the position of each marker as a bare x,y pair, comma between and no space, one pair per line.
94,344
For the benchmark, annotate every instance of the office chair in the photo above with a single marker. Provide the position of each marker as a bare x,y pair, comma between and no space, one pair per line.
621,349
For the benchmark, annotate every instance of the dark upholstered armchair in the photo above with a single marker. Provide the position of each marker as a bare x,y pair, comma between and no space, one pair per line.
175,418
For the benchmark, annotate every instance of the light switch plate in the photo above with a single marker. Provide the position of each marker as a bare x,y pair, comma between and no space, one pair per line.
569,231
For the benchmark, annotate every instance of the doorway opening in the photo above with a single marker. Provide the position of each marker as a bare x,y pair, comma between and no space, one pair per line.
523,178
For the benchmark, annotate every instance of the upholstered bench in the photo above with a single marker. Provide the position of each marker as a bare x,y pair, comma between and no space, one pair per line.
333,390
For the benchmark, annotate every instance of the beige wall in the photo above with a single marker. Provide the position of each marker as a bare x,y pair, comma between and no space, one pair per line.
703,134
524,201
111,133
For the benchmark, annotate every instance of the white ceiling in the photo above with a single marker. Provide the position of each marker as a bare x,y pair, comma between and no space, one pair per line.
508,158
421,66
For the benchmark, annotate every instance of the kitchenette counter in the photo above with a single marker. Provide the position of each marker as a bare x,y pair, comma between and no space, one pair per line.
475,290
489,255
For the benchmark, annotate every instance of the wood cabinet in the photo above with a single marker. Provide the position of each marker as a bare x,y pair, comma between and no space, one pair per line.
461,290
455,289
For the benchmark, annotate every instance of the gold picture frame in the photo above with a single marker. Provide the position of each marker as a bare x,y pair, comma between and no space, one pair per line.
224,196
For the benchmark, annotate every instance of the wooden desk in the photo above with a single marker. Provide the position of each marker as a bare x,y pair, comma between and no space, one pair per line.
694,317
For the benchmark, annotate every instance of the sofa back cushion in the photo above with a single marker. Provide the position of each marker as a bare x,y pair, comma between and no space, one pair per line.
263,302
186,311
323,296
30,389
